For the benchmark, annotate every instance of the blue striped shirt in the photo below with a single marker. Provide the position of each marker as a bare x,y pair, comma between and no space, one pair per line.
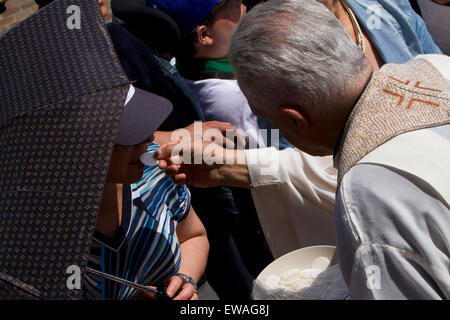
146,249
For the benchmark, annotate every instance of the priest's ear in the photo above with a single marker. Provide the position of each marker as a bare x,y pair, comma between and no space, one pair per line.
295,118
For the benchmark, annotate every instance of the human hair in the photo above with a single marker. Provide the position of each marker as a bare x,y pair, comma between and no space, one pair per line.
186,46
186,49
295,52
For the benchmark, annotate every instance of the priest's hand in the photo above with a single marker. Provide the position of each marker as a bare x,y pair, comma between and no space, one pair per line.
203,164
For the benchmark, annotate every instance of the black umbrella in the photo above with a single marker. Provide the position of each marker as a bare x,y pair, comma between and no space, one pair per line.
62,92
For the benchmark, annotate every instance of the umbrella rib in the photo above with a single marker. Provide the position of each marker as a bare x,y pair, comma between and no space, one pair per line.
134,285
19,284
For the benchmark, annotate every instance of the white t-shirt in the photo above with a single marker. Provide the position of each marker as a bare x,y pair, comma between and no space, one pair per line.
223,100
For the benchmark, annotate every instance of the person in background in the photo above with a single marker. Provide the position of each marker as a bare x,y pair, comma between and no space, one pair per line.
202,59
206,28
436,15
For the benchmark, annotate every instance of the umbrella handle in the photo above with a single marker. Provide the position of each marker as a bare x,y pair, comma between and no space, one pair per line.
160,294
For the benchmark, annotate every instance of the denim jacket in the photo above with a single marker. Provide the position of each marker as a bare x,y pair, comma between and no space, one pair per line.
397,32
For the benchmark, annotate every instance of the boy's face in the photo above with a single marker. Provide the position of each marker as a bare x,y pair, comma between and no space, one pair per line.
224,24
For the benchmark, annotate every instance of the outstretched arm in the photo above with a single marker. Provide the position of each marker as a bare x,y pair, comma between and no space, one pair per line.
205,164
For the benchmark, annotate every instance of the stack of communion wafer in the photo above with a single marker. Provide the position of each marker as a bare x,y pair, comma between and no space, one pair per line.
321,282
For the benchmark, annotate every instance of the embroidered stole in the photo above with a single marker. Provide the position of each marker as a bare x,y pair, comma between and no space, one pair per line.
398,99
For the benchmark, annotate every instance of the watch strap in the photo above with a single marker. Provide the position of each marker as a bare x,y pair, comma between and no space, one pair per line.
187,279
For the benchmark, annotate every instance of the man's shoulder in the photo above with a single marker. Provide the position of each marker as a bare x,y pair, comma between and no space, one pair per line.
389,191
375,198
365,182
420,158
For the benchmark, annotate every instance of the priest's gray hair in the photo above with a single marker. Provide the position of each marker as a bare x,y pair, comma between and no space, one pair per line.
294,51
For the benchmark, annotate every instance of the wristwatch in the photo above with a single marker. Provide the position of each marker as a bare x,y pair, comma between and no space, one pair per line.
187,279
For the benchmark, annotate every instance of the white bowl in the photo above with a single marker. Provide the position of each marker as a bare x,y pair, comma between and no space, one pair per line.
298,259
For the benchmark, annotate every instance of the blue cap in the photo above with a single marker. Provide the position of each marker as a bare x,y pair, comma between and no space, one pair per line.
188,14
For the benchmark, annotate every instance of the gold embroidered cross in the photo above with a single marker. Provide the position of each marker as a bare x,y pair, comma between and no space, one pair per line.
410,103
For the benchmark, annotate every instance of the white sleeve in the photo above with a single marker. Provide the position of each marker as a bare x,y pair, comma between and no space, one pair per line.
294,194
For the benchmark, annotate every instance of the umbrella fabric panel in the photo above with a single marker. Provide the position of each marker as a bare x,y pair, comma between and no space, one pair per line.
37,247
61,148
36,73
50,191
62,96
